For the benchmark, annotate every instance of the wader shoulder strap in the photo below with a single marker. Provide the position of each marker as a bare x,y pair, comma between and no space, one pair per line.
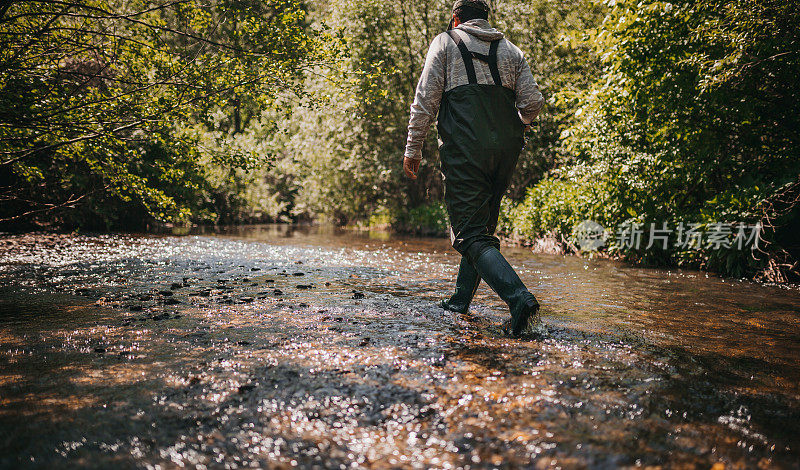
493,63
468,55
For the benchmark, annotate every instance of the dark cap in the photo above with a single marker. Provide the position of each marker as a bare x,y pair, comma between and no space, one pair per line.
479,4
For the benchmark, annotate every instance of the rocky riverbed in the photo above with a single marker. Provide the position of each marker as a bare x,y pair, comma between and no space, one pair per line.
270,347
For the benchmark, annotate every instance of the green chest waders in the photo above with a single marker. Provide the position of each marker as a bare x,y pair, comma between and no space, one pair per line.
482,137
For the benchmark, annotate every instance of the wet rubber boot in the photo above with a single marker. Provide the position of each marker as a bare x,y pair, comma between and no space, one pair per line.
493,268
466,285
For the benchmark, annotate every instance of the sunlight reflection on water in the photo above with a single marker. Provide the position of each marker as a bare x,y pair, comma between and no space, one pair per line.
270,345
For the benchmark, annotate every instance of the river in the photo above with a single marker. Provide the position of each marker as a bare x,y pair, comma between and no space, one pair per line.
280,347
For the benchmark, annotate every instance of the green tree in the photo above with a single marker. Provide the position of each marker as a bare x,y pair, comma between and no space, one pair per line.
350,150
554,37
693,119
94,97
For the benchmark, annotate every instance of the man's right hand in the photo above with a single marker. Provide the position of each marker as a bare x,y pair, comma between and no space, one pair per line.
411,167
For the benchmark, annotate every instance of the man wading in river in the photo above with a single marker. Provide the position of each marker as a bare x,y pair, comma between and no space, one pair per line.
487,95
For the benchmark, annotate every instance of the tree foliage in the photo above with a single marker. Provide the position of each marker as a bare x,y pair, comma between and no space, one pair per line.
224,111
349,151
694,119
95,96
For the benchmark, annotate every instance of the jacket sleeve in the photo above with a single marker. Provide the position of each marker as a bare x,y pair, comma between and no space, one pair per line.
529,98
428,97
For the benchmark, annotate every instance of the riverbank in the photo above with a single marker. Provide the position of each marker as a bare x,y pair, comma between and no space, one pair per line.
278,346
772,266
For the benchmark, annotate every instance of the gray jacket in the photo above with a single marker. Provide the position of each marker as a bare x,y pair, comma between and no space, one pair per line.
444,70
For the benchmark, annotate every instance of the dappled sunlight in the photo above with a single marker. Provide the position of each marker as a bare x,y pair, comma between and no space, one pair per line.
329,351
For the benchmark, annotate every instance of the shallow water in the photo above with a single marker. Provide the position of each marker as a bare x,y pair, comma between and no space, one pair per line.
276,347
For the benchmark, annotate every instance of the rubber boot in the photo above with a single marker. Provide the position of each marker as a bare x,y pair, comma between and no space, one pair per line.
493,268
466,284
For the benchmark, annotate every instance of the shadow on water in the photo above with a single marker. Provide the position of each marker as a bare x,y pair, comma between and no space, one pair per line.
274,347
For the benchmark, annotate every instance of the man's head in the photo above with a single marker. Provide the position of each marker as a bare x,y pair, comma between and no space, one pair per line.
465,10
